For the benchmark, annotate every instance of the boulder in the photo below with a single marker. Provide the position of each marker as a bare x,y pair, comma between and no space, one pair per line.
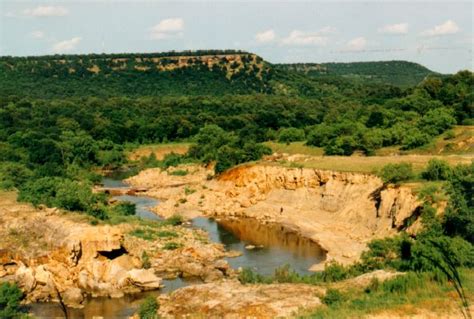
144,278
25,278
73,297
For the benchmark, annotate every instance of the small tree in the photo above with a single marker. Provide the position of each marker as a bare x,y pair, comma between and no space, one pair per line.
291,134
10,297
395,173
437,170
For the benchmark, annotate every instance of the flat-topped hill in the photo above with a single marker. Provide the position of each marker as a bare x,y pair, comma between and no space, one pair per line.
399,73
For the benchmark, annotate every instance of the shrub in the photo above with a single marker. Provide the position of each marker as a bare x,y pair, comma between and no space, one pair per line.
414,138
13,175
343,145
291,134
334,271
125,208
248,276
174,220
166,233
172,246
172,159
333,297
145,260
179,172
394,173
148,309
188,190
437,170
10,297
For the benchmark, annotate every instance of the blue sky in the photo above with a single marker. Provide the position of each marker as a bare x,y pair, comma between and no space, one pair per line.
438,35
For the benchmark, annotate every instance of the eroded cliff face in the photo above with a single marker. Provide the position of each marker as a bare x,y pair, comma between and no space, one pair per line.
339,211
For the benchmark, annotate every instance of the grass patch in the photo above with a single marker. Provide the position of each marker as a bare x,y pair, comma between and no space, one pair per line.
179,172
188,190
172,246
166,234
370,164
405,291
295,148
160,150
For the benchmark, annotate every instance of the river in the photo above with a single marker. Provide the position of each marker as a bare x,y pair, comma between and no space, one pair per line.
271,246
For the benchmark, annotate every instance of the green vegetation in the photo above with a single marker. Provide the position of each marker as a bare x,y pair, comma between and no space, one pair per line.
148,309
411,288
146,260
65,117
10,297
172,246
179,172
399,73
395,173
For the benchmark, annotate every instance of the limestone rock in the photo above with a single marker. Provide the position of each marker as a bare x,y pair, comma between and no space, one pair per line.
144,278
73,297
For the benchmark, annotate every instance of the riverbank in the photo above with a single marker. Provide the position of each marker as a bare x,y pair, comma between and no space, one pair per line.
341,212
54,255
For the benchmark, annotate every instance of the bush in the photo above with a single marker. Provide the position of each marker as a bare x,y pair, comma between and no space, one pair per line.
343,145
146,260
148,309
248,276
437,170
13,175
73,196
395,173
291,134
414,138
172,159
333,297
174,220
10,297
334,271
179,172
172,246
125,208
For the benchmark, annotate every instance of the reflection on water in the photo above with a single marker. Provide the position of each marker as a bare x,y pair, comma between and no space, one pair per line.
106,307
109,182
280,246
142,204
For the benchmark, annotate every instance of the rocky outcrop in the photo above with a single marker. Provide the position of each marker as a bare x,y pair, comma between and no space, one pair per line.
339,211
90,261
53,255
230,299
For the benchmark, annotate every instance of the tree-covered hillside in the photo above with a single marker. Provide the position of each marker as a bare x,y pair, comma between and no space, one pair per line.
213,72
398,73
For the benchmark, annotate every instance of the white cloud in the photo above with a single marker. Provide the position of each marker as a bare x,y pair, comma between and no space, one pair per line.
37,34
47,11
449,27
297,37
265,36
399,28
167,28
357,44
66,45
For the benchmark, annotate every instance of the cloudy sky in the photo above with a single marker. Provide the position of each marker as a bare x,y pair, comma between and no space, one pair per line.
438,35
